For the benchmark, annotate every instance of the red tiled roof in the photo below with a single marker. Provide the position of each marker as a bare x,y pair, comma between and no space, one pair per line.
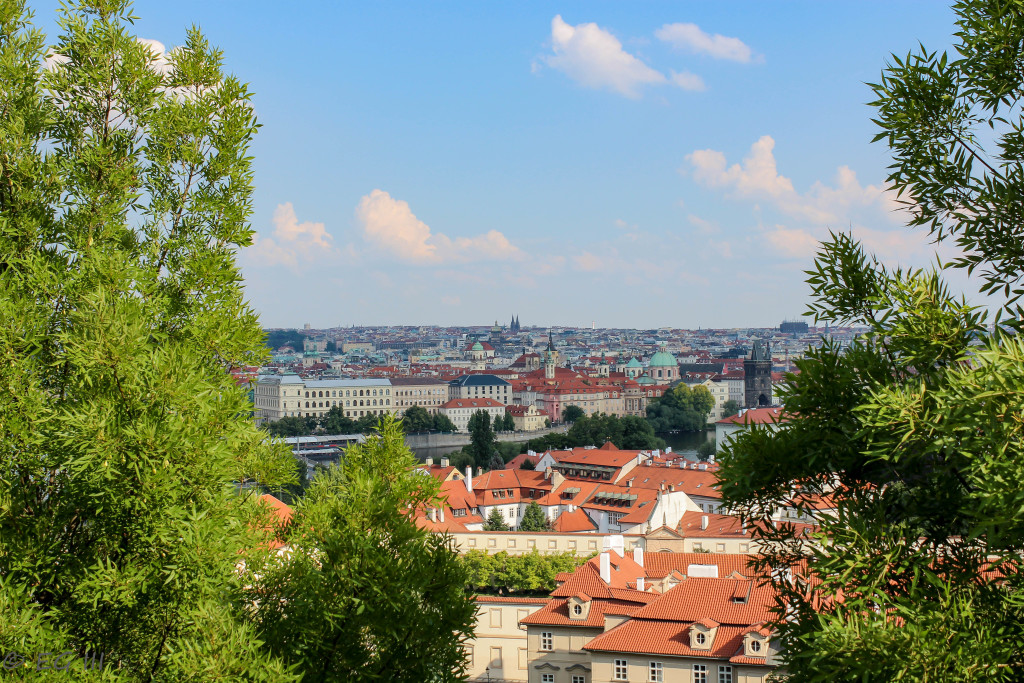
665,638
662,564
718,526
574,521
699,598
757,416
473,403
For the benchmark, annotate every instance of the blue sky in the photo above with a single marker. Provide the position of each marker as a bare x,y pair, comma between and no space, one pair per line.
633,164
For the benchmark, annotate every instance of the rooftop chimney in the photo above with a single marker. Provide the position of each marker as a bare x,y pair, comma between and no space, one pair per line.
433,515
638,556
444,462
440,514
703,522
639,583
606,567
430,462
469,478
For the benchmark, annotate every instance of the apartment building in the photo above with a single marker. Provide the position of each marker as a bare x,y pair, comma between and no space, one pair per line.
481,386
426,392
278,396
460,410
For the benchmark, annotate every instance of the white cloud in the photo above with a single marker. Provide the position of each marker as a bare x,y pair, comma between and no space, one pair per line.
291,241
391,225
594,58
588,262
702,225
688,81
758,177
795,243
691,37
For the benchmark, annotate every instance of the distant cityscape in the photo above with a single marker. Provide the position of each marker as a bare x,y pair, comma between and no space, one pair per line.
387,369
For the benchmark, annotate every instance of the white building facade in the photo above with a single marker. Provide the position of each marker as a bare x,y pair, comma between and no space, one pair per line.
278,396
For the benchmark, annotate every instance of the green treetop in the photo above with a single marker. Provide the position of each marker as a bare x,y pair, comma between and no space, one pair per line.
534,519
495,521
125,193
912,432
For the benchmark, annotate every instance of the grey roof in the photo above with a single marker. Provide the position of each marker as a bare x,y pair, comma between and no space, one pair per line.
415,381
478,381
324,383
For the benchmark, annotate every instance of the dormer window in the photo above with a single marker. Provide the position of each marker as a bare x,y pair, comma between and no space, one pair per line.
700,638
577,609
755,645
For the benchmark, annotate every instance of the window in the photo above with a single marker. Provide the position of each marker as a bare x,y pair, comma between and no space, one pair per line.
579,679
755,646
577,609
620,670
724,674
547,678
701,638
657,672
700,673
547,641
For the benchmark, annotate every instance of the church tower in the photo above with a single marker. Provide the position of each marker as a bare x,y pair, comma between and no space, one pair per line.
550,358
757,377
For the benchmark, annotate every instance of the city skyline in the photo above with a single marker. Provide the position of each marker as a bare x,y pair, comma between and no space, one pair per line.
571,162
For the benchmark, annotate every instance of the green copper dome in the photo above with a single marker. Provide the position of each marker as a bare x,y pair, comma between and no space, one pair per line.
633,363
477,347
663,360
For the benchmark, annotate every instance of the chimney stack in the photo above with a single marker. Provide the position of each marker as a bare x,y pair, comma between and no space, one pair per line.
638,556
430,462
444,462
639,583
606,567
469,478
703,522
440,514
433,515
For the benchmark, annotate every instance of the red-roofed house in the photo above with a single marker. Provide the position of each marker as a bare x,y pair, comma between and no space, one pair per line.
459,410
609,621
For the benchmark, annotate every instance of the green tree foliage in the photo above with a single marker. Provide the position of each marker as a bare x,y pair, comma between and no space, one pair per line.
730,408
572,413
443,424
277,339
529,574
630,432
706,449
365,595
495,521
534,519
681,408
527,465
125,191
509,424
417,419
482,443
336,422
292,426
914,430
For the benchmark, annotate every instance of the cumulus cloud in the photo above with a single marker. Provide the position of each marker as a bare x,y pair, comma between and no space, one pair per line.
588,262
594,58
688,81
758,177
792,242
291,241
390,225
690,37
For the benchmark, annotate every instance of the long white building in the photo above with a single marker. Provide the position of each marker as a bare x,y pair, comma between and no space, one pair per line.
280,396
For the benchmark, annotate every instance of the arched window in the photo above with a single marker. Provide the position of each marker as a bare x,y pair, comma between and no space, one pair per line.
321,394
347,403
360,392
360,403
307,394
307,402
374,401
374,392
